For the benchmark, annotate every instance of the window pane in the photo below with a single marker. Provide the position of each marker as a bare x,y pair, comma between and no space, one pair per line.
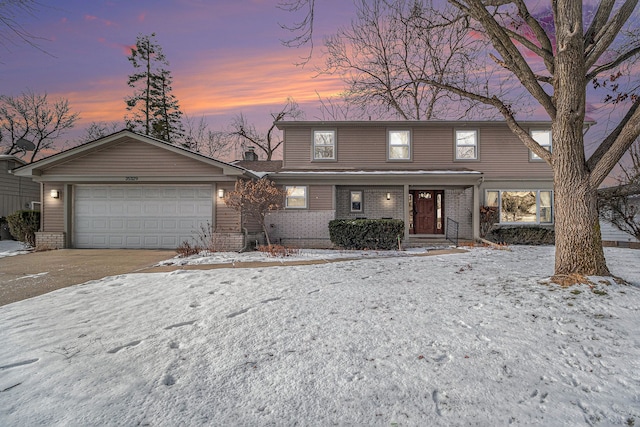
399,145
492,199
324,144
542,137
546,207
466,153
518,206
356,201
296,197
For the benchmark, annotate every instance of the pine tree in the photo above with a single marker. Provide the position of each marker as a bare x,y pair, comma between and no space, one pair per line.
154,109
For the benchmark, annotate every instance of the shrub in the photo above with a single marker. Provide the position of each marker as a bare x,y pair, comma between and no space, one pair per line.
366,233
23,226
488,217
278,251
522,235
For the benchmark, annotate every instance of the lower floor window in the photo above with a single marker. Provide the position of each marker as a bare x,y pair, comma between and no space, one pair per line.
296,197
522,207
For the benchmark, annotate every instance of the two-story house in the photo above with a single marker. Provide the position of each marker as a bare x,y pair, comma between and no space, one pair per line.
131,191
425,173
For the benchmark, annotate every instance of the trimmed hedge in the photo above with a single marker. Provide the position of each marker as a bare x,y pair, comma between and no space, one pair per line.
522,235
366,233
23,226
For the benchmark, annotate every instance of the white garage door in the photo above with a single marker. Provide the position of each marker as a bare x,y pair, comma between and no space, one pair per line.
141,216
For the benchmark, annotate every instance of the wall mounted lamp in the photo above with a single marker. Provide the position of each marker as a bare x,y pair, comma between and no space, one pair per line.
55,194
388,196
220,193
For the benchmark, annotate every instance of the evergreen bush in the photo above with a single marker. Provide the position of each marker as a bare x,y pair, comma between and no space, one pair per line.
23,226
366,233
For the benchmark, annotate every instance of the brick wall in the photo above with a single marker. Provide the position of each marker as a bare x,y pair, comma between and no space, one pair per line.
300,228
374,205
50,240
458,205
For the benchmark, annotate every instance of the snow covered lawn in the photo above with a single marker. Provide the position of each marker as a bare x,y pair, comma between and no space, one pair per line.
475,338
11,248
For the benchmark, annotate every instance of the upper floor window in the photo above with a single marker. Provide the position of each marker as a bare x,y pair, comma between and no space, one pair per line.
466,145
324,145
296,197
399,145
542,137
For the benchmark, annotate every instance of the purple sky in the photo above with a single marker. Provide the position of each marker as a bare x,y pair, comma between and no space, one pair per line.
225,56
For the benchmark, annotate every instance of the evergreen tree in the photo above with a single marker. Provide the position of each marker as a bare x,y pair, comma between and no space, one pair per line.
154,109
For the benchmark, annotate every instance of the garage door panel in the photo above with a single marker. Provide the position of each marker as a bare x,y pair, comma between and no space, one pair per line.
139,216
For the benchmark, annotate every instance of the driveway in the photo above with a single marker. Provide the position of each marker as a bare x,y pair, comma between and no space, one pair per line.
30,275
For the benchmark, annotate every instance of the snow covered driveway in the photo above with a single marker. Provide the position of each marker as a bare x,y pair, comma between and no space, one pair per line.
458,339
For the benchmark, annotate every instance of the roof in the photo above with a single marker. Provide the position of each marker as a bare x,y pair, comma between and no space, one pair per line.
13,158
32,168
260,165
408,123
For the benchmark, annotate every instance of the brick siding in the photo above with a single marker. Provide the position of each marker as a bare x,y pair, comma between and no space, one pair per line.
300,228
50,240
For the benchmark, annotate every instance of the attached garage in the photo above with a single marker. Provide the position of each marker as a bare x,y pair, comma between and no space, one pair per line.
131,191
140,216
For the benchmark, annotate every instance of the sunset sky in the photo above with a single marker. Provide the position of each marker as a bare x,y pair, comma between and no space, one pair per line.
225,56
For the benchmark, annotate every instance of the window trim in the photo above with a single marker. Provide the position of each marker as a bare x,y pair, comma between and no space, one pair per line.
533,157
351,193
335,145
306,197
410,145
476,145
538,205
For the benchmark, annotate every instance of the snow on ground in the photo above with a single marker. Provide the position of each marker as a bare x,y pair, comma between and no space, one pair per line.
298,255
462,339
11,247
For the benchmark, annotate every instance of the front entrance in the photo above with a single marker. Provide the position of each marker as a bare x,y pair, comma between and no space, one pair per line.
427,211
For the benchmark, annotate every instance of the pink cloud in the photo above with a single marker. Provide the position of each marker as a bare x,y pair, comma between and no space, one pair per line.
90,18
142,16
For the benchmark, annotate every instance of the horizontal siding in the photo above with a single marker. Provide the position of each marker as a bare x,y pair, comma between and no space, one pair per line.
320,197
501,154
133,158
53,209
16,192
227,219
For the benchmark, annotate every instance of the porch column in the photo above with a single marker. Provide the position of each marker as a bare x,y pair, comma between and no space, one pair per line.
405,210
475,214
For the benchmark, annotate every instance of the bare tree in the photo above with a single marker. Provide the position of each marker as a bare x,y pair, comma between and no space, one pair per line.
32,117
620,205
268,142
386,53
255,199
10,28
552,55
198,137
97,130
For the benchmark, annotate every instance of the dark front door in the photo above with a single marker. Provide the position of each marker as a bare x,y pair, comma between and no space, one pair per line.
427,212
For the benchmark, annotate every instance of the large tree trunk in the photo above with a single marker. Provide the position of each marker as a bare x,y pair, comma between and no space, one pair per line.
578,240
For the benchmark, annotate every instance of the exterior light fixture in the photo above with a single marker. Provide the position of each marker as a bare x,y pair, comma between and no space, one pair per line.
388,196
220,193
55,194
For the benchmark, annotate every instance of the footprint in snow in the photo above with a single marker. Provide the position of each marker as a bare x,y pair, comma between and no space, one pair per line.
21,363
178,325
122,347
237,313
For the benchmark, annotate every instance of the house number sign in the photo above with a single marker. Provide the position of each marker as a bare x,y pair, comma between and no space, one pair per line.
130,178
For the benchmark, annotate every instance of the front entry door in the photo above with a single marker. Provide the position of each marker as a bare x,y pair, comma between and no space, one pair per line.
427,212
